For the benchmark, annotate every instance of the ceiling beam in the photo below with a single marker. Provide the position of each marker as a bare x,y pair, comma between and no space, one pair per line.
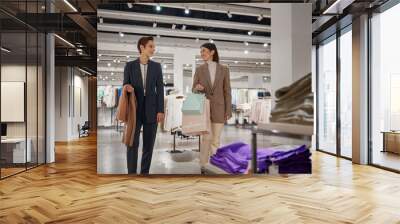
180,33
114,14
218,7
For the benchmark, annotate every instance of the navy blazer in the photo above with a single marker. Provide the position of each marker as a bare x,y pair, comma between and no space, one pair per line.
153,103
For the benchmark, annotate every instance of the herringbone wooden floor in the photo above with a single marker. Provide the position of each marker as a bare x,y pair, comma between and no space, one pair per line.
70,191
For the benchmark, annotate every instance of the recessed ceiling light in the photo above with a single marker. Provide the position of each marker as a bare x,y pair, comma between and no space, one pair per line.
98,60
197,40
108,64
164,66
256,63
158,7
100,55
127,56
236,62
246,51
250,32
187,11
246,43
211,41
115,60
265,45
112,73
262,63
121,34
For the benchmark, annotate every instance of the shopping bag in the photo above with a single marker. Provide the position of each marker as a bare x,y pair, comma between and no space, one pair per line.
193,104
197,124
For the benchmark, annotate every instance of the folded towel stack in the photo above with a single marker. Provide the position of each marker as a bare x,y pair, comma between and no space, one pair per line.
294,103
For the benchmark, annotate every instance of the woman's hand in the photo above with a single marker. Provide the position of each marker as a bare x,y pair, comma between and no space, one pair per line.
128,88
199,87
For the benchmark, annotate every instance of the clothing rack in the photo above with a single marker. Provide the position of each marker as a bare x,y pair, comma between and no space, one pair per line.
174,150
293,131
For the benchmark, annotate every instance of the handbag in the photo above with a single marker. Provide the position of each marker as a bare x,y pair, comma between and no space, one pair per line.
193,104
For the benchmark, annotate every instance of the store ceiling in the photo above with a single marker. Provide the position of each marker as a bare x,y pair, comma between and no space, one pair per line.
119,29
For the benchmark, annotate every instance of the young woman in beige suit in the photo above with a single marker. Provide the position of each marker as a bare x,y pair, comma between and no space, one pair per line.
212,79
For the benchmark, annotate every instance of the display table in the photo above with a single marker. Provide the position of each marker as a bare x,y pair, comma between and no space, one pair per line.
13,150
293,131
391,141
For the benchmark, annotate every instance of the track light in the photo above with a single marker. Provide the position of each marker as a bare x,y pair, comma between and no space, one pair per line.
262,63
98,60
5,50
70,5
265,45
129,5
64,40
121,34
158,36
229,14
236,62
158,7
250,32
114,60
112,73
197,40
127,56
260,17
101,20
154,25
211,40
164,66
246,51
257,63
183,27
173,26
108,64
187,11
246,43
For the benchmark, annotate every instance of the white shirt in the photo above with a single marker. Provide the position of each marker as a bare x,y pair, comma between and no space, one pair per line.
143,69
212,68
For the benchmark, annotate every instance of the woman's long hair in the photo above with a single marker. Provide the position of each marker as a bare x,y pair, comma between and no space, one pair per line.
211,46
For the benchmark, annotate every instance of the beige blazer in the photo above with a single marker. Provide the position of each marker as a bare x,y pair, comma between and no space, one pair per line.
219,94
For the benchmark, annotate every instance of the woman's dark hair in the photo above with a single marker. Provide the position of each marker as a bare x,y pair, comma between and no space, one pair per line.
211,46
143,41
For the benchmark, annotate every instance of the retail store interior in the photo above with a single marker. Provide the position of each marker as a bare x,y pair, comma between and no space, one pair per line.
61,153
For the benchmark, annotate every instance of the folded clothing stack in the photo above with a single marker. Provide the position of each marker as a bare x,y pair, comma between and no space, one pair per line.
296,160
234,159
294,103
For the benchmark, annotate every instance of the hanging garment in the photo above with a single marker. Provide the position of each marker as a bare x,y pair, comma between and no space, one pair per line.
260,111
197,124
173,112
126,113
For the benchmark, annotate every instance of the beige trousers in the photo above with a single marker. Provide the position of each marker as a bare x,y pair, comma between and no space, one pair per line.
210,142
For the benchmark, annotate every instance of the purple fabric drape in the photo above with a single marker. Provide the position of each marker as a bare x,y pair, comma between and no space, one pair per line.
234,159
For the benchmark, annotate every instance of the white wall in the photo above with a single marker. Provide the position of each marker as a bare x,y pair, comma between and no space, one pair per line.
68,81
291,37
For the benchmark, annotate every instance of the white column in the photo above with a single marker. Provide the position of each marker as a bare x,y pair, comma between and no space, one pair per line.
360,90
50,99
291,38
183,56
